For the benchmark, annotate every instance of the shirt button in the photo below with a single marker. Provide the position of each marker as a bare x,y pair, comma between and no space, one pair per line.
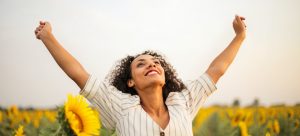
162,134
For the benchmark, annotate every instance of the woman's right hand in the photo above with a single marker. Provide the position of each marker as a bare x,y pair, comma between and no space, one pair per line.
239,26
43,30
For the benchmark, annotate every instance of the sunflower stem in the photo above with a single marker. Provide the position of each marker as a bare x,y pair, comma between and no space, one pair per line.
57,131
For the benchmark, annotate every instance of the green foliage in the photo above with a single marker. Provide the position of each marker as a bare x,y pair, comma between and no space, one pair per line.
216,126
60,128
221,121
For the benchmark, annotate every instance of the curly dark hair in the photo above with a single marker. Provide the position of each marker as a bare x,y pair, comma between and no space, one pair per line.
122,73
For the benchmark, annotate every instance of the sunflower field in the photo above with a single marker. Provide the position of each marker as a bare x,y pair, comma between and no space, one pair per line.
67,120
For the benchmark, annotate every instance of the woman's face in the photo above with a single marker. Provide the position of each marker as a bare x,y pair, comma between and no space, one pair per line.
146,71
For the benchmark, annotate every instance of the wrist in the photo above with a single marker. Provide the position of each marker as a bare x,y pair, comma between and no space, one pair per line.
241,36
47,36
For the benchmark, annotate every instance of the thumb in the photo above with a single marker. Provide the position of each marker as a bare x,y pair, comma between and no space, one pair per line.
47,23
237,18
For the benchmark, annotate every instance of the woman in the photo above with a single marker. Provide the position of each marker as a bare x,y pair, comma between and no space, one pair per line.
144,96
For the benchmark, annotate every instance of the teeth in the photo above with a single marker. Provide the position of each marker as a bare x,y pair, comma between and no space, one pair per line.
152,72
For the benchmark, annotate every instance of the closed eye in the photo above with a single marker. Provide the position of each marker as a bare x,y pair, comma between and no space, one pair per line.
140,64
157,62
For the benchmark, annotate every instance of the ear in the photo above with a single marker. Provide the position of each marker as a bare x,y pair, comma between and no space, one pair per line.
130,83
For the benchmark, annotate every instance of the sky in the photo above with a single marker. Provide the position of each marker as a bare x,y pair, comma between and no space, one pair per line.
190,34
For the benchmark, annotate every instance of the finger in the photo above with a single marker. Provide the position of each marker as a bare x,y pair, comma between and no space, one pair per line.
41,27
238,19
42,23
37,35
36,31
244,24
235,21
47,23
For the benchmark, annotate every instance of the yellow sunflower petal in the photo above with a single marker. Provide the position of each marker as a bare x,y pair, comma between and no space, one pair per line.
20,131
81,118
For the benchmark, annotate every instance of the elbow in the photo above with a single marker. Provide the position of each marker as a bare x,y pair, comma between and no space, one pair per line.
81,80
216,72
218,69
79,76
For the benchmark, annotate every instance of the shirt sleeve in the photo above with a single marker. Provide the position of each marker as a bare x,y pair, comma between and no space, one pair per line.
197,92
106,100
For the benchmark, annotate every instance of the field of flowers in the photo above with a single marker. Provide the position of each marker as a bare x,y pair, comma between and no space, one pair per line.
210,121
248,121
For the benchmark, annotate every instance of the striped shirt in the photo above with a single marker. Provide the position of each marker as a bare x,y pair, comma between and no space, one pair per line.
123,112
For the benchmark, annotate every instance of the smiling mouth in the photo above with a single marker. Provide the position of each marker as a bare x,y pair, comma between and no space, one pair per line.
151,72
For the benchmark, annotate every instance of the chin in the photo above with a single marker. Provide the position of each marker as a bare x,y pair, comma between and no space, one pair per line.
157,82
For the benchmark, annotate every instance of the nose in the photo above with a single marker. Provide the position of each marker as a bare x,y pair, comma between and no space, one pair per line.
151,64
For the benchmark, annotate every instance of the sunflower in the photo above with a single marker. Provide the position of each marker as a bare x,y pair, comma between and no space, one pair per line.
276,127
243,128
1,117
81,118
20,131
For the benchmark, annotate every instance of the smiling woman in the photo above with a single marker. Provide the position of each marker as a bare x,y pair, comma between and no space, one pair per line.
147,113
144,95
121,75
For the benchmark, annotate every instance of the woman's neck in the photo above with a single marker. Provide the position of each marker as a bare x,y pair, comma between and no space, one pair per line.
152,101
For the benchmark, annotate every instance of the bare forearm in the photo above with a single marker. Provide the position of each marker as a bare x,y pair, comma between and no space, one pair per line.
65,60
221,63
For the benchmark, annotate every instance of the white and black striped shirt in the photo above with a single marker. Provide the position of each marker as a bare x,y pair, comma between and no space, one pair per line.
123,112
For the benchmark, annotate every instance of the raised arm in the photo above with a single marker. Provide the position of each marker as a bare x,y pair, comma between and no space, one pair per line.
220,64
62,57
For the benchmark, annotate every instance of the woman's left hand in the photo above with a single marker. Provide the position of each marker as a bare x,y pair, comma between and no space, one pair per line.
239,26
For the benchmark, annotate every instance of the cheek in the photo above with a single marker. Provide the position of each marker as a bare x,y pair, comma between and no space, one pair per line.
163,74
137,73
163,71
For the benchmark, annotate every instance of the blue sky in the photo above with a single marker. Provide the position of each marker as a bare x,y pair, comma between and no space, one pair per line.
189,33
